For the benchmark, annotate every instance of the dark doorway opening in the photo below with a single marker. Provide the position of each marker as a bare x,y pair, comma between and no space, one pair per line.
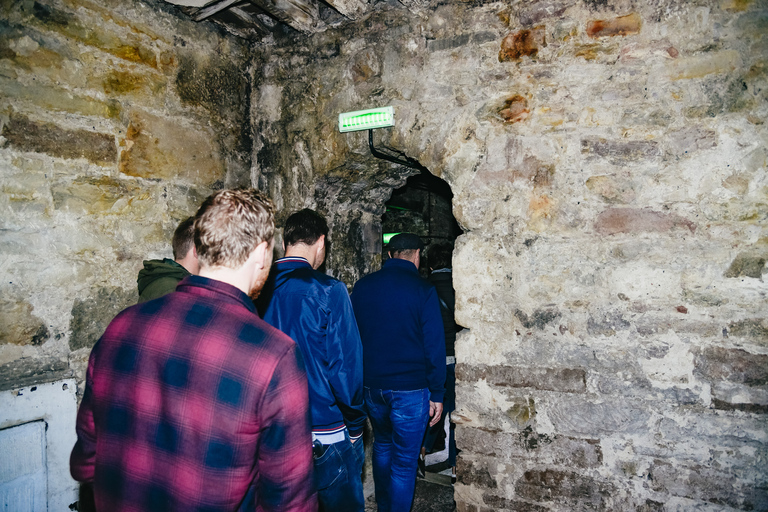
422,206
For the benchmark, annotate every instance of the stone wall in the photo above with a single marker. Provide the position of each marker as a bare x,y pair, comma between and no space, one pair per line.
608,164
116,119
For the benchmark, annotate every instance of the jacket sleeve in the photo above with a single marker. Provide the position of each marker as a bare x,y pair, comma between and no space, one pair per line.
434,345
82,460
285,465
344,352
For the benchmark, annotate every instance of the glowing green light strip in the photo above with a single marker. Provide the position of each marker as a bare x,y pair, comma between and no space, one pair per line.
388,236
367,119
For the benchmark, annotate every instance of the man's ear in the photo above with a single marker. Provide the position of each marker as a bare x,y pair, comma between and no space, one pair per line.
261,255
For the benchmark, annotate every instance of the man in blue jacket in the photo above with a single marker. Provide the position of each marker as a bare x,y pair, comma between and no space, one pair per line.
314,309
398,314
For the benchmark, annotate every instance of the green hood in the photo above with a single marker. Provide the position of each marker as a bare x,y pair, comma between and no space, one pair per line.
159,277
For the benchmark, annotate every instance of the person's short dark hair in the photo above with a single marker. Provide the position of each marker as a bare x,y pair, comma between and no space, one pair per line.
439,256
183,238
304,227
230,224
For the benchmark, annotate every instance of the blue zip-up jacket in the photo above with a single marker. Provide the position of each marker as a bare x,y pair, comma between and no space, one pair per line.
398,314
314,309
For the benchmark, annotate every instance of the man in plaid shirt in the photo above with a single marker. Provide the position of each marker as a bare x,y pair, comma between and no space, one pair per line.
192,402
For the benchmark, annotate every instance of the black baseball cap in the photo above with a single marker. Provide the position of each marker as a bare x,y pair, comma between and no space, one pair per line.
405,242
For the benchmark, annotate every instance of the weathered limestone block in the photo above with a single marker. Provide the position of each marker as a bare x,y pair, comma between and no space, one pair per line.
92,195
31,370
94,32
689,67
732,365
28,135
531,446
620,152
497,503
632,220
620,26
579,416
574,489
614,189
567,380
54,99
21,325
711,485
91,316
161,148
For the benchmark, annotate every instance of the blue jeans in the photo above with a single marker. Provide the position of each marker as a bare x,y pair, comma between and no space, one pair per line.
338,476
398,419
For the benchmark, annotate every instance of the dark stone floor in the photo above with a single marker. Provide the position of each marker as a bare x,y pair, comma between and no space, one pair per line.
433,494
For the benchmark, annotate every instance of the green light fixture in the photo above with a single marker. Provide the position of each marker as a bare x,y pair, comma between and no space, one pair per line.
388,236
367,119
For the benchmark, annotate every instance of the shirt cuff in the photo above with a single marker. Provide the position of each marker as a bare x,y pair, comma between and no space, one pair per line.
355,434
436,396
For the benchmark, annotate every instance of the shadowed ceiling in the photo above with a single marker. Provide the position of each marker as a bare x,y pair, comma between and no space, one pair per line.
256,19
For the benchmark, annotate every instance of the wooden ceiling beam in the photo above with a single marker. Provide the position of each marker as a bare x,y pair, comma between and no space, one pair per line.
207,12
303,15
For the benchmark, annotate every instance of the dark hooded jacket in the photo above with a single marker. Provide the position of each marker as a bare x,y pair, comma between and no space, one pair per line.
159,277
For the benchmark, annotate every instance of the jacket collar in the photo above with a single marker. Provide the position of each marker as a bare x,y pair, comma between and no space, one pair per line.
292,262
401,264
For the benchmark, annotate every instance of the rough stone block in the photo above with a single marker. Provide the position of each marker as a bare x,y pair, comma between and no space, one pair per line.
125,82
531,446
98,35
621,152
91,195
732,365
498,503
60,100
436,45
621,26
470,472
711,485
162,148
614,189
20,325
32,370
534,13
639,220
91,316
754,329
699,66
216,84
27,135
609,416
634,52
564,487
690,140
608,324
538,319
567,380
524,43
747,265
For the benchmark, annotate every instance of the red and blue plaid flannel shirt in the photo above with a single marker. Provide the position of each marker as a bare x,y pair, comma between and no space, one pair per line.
192,402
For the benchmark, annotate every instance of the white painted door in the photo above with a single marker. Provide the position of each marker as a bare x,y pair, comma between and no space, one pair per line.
22,468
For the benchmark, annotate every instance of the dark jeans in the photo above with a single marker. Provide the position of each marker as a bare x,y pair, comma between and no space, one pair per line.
338,475
449,405
398,419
